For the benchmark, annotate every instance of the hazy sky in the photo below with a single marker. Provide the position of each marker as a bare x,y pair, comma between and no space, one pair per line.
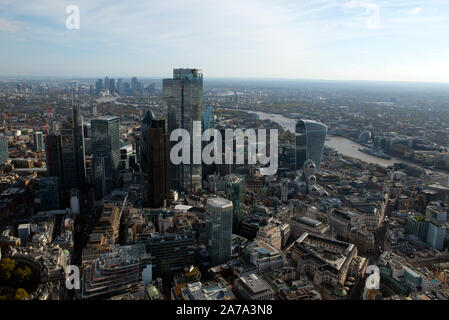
304,39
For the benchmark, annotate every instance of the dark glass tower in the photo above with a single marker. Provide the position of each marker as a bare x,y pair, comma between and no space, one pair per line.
158,164
102,165
183,97
3,149
68,156
53,151
106,139
208,123
310,137
49,193
143,140
78,139
73,158
235,190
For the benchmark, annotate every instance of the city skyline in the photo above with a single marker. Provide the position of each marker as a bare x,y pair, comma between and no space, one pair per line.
251,153
332,40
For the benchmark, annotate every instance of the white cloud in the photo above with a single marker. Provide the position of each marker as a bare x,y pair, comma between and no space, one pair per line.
414,11
372,12
10,26
252,38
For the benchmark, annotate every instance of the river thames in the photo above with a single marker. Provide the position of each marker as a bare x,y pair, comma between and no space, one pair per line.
344,146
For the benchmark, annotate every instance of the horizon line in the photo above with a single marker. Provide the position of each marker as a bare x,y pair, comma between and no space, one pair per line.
52,77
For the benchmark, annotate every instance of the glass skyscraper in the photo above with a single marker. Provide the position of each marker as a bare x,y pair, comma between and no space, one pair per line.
183,96
208,123
3,149
49,193
73,158
53,151
78,139
219,229
235,190
158,163
68,156
102,165
38,141
106,141
143,140
208,118
310,137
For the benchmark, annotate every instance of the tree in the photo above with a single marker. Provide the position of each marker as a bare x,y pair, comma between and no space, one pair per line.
22,275
7,267
21,294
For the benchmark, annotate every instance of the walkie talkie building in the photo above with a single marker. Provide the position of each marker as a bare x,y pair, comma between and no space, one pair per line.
310,137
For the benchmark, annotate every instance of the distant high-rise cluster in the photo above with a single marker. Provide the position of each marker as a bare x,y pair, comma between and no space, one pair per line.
124,88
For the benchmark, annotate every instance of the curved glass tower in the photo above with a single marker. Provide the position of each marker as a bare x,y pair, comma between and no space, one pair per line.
219,229
310,137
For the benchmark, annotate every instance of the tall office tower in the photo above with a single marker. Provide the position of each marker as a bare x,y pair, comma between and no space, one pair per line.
106,139
208,118
78,139
68,156
38,141
219,229
310,137
158,164
102,167
99,86
112,87
53,151
120,87
208,123
3,149
106,83
49,193
73,158
134,86
143,140
183,96
151,88
235,190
